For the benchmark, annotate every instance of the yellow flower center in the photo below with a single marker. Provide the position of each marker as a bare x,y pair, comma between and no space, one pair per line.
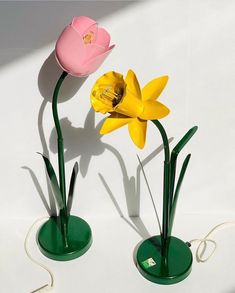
87,38
110,96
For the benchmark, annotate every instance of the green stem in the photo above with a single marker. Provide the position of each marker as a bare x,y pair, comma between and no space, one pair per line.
63,212
172,179
166,187
177,190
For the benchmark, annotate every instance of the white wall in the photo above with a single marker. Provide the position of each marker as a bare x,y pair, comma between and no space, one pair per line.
191,41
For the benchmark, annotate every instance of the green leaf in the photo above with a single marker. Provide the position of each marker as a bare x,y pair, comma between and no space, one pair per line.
71,187
174,154
184,140
177,190
54,182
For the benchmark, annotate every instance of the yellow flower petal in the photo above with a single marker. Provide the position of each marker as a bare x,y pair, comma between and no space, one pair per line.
99,106
132,84
137,130
113,122
109,78
153,89
154,110
130,106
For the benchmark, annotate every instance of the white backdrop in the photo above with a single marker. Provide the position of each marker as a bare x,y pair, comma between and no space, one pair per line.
191,41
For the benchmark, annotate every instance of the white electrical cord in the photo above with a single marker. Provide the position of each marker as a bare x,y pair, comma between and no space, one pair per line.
47,287
203,242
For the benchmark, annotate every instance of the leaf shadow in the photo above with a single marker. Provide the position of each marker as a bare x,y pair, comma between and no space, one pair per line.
51,207
132,191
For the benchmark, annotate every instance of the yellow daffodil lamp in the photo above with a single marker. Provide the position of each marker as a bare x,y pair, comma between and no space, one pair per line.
80,50
163,259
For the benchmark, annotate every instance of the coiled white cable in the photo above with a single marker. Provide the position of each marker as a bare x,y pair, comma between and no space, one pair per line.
201,249
47,287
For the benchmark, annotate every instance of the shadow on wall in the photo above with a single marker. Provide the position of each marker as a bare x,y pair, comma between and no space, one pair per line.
48,77
49,203
83,142
132,191
32,25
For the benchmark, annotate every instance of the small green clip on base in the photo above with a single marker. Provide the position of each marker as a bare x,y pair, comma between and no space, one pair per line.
51,242
173,268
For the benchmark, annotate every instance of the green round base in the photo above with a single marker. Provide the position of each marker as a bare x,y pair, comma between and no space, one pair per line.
164,270
51,242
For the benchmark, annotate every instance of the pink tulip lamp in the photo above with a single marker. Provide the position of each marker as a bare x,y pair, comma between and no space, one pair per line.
80,50
163,259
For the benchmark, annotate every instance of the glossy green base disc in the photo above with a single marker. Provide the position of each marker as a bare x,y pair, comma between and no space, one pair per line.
170,270
52,244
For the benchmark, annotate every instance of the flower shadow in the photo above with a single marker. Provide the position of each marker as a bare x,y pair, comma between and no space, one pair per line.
48,77
82,141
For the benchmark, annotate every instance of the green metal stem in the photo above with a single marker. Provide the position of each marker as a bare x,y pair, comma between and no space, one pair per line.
166,187
172,180
63,211
177,190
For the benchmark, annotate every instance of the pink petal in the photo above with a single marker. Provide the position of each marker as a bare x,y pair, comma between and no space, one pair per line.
70,50
82,24
78,71
95,62
92,50
102,38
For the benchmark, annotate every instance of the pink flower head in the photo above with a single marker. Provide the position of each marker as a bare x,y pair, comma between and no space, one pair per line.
82,46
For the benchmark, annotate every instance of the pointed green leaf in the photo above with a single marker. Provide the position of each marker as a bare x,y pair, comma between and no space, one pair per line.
177,190
174,155
71,187
184,140
54,182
